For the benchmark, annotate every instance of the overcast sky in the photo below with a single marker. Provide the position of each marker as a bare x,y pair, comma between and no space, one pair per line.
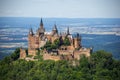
60,8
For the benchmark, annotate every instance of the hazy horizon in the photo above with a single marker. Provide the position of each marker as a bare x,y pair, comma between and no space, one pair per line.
57,17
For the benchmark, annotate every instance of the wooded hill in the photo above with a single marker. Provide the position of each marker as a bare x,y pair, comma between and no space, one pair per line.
100,66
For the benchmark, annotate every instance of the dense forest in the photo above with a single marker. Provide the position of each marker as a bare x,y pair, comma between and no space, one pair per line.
99,66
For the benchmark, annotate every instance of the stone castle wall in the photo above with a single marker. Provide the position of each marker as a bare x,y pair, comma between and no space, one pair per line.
22,53
65,52
51,57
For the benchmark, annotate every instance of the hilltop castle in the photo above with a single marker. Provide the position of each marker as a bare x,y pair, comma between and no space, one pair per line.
68,46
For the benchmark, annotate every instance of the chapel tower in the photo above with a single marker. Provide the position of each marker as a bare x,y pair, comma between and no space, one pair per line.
41,29
77,41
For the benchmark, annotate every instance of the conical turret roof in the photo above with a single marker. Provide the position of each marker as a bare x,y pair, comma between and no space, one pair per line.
41,23
31,31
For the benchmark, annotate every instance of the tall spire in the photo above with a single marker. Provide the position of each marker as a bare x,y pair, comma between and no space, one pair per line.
68,31
31,31
41,23
55,27
55,31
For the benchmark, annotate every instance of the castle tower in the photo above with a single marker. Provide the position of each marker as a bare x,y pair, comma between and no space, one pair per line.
22,53
31,43
77,41
30,38
31,32
41,23
54,31
36,42
41,30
